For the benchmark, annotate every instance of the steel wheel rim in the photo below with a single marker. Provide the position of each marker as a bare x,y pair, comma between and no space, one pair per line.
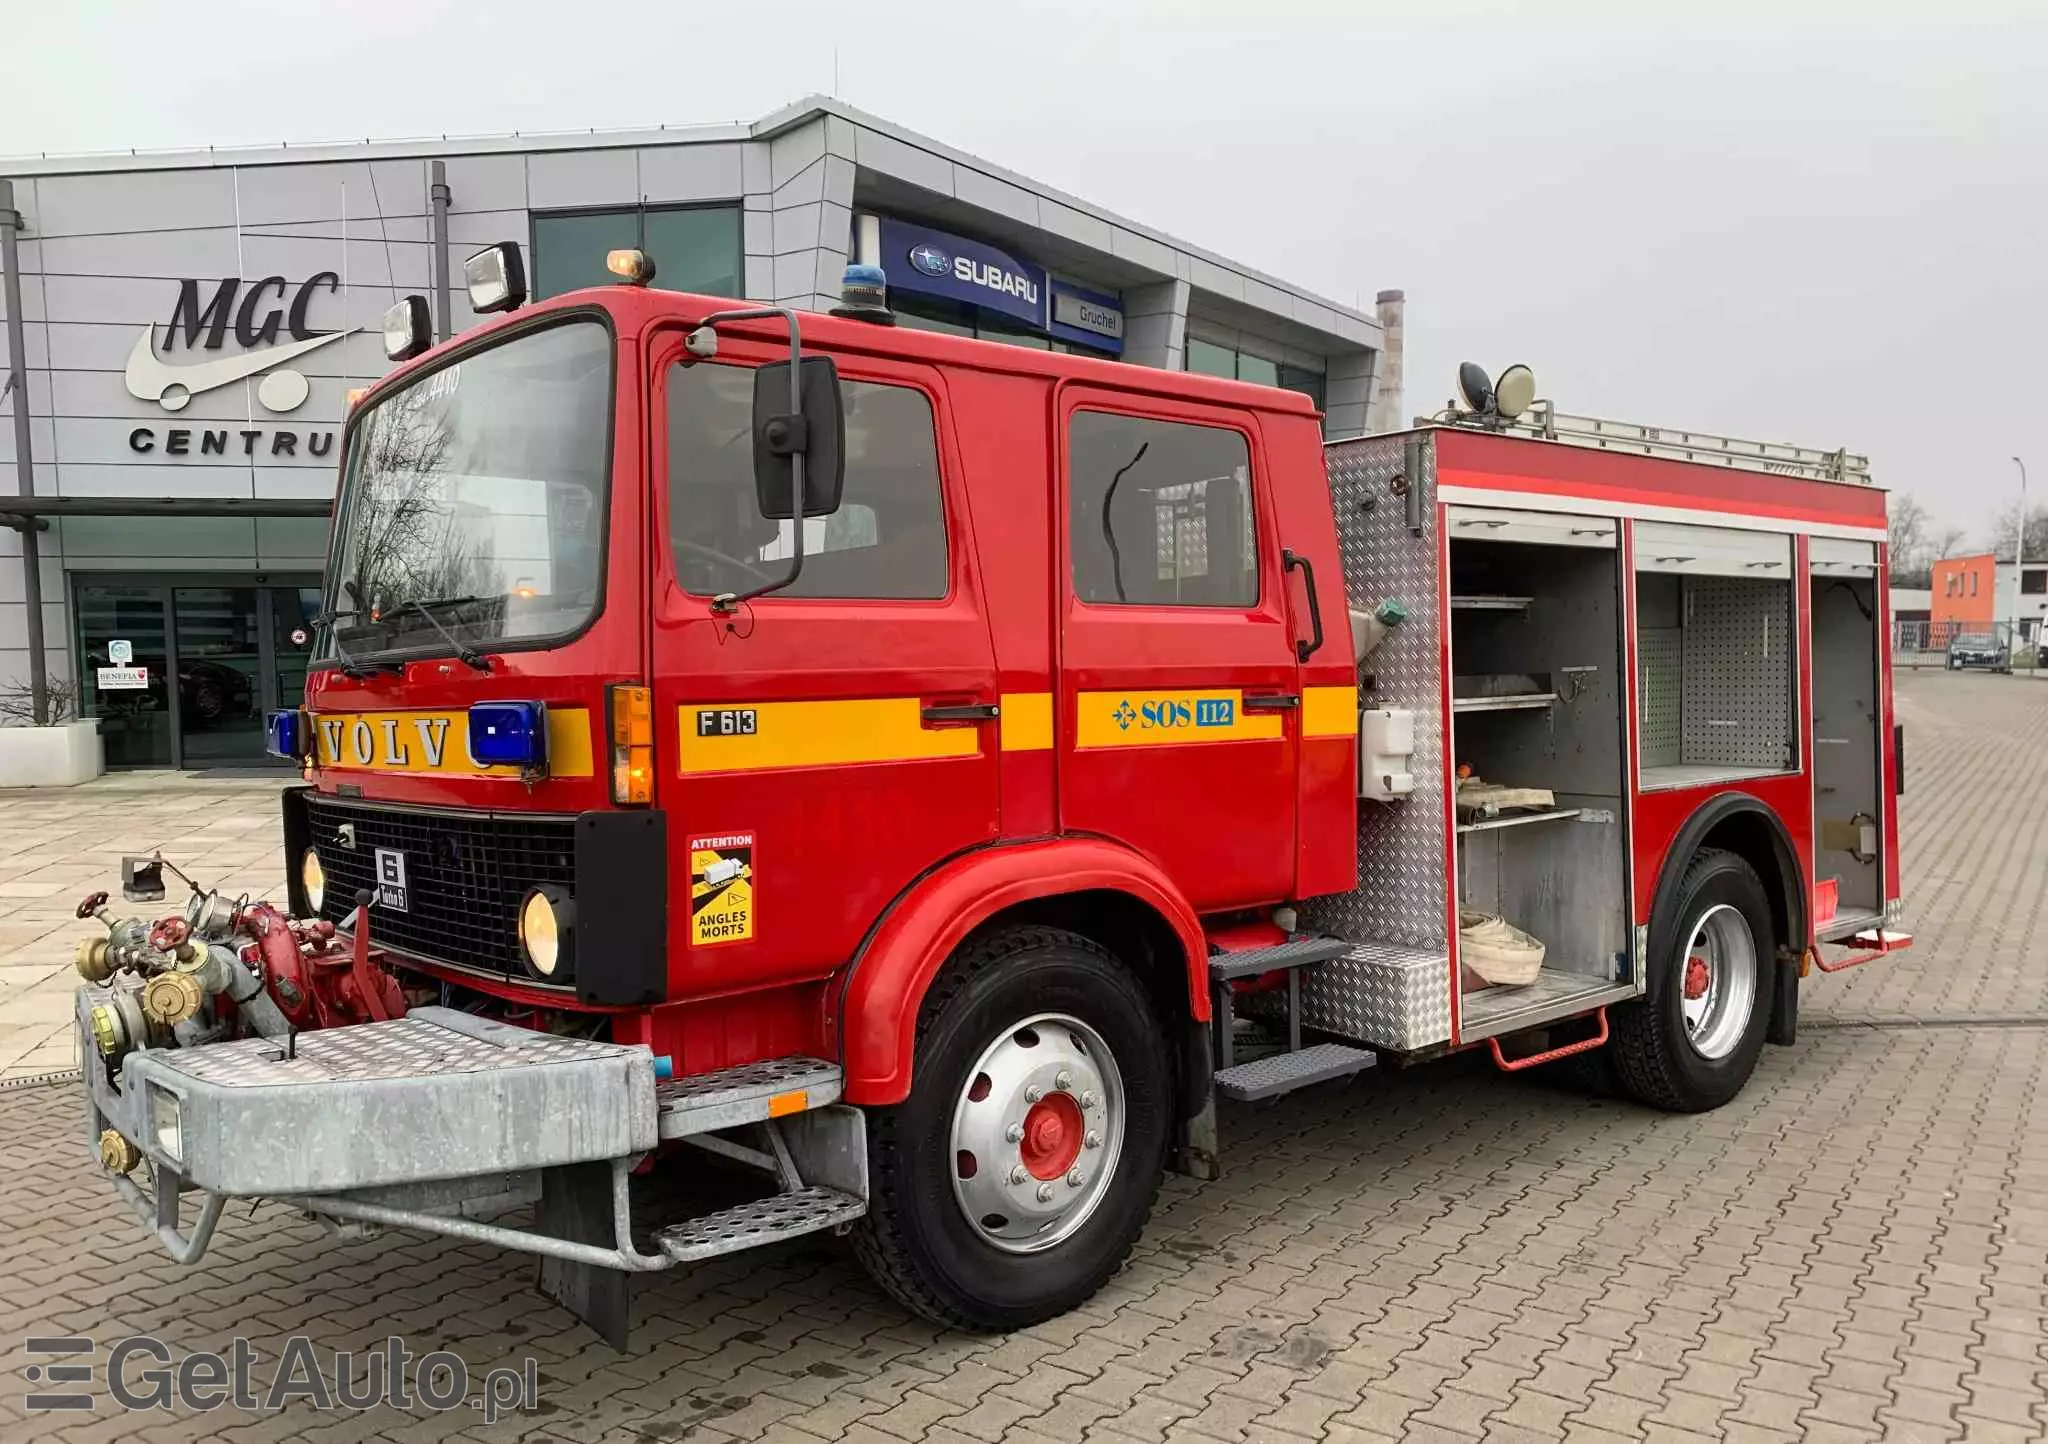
1717,981
1037,1131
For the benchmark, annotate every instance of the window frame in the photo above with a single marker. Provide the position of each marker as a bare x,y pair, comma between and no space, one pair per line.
1137,407
665,352
739,222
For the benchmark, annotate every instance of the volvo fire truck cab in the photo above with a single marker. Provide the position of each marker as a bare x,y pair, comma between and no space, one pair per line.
913,778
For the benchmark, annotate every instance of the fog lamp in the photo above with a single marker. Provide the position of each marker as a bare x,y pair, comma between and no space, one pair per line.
313,878
509,734
496,279
166,1124
547,933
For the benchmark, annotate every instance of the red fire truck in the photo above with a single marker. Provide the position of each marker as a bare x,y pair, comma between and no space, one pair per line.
913,778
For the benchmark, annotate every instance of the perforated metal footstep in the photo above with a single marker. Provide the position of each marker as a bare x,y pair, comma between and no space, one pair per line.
1295,953
752,1093
1285,1072
750,1225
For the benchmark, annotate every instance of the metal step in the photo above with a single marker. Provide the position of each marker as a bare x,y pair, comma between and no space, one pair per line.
1285,1072
1296,953
765,1221
751,1093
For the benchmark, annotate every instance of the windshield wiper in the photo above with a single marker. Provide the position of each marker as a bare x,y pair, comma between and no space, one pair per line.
466,654
350,667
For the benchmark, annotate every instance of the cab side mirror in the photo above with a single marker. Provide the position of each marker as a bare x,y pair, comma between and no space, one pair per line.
817,434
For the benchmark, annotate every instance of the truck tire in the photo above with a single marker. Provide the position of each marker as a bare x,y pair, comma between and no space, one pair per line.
1691,1043
1013,1181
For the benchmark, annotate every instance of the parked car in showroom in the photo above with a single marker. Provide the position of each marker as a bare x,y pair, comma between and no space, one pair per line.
1979,649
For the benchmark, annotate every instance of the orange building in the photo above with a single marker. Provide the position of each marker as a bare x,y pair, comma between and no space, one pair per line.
1965,592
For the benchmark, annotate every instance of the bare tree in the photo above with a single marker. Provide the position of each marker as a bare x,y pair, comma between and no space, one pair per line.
1947,541
1909,525
2005,524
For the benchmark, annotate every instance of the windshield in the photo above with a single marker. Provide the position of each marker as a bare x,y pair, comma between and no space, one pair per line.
474,500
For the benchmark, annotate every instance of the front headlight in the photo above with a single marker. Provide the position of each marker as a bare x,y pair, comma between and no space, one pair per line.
313,878
546,932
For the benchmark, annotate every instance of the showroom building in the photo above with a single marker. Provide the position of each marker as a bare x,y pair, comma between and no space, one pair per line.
190,325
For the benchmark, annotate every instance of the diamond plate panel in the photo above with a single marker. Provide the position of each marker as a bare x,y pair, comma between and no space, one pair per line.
409,1047
1738,672
1382,993
1391,997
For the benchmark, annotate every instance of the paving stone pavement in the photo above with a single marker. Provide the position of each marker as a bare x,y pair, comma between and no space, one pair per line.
1857,1248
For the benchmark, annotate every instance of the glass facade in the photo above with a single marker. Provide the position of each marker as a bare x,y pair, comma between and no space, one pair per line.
694,248
204,664
1209,359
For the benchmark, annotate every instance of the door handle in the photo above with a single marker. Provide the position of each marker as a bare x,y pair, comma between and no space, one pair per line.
1289,560
962,712
1273,702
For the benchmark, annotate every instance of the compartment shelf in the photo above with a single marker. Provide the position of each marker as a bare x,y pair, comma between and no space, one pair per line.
1520,819
1511,702
1490,604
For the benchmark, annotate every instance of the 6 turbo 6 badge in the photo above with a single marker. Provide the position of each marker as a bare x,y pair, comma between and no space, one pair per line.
722,888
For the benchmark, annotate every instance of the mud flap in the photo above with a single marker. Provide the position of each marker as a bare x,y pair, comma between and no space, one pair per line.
576,1204
1784,1025
1197,1151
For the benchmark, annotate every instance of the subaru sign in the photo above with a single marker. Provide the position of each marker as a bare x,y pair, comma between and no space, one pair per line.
925,262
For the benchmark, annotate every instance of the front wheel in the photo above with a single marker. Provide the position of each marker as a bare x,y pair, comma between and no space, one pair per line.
1693,1040
1013,1181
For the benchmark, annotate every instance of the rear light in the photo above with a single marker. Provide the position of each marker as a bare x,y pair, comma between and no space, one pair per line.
632,719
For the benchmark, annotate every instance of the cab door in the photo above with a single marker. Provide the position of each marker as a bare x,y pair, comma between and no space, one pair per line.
823,745
1179,688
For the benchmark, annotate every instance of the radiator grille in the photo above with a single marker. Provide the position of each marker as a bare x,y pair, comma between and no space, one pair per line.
466,874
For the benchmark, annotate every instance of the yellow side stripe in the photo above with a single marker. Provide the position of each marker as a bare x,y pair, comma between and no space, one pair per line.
821,734
1329,712
1170,717
1027,721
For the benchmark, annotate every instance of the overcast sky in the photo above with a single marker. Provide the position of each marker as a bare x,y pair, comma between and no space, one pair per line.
1804,220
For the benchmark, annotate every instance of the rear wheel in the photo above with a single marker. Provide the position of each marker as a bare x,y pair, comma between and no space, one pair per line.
1693,1040
1012,1182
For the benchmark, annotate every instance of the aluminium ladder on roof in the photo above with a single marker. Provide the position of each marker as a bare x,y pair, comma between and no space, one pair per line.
1775,457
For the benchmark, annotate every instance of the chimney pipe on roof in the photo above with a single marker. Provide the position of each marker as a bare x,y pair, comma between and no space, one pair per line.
1386,413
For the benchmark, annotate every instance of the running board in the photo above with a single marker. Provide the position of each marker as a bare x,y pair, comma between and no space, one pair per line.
1286,1072
1254,962
764,1221
751,1093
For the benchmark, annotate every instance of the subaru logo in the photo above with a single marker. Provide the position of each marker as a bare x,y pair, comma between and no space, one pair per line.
930,259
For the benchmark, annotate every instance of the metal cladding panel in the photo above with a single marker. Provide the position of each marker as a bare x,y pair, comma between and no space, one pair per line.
1738,672
1660,667
1395,992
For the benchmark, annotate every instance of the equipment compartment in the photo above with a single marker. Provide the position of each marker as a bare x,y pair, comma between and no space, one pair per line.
1559,871
1847,734
1714,655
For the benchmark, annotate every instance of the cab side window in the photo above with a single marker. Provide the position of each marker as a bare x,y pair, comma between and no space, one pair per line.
886,541
1160,513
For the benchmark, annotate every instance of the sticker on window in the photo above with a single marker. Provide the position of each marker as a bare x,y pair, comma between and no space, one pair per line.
722,889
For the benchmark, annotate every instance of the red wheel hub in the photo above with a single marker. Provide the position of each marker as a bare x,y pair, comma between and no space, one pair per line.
1695,978
1052,1136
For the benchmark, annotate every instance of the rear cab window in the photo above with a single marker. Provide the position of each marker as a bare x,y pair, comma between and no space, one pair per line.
1160,513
